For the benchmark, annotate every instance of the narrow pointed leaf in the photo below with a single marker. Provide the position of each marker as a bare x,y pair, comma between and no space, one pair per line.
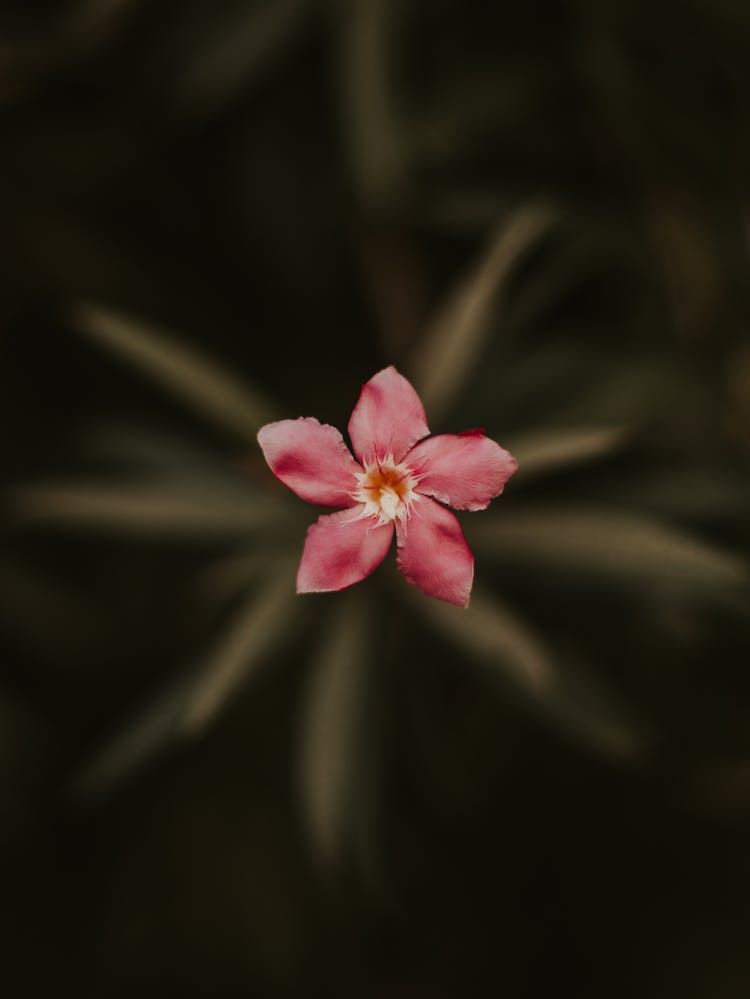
157,452
443,360
231,55
377,145
187,704
492,633
609,544
178,368
150,731
230,575
689,493
584,708
261,622
544,452
332,726
575,703
144,508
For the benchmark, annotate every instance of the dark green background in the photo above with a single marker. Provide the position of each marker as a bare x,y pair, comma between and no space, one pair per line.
550,793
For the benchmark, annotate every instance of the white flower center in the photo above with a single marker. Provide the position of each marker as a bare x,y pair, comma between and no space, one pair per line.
387,490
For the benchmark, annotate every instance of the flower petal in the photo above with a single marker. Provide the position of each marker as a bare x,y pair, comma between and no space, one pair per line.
312,459
340,549
465,471
433,553
388,419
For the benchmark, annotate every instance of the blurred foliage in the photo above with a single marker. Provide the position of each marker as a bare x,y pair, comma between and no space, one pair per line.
218,213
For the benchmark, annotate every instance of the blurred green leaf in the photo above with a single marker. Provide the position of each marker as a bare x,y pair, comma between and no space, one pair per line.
184,372
619,545
255,630
593,714
138,508
630,390
492,633
159,453
574,701
333,730
231,52
135,743
452,345
689,493
375,136
466,212
228,576
565,382
188,704
585,255
458,119
544,452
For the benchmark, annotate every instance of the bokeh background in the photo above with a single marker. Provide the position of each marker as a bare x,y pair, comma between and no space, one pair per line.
220,212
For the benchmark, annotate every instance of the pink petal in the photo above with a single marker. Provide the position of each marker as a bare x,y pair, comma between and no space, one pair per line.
312,459
433,554
341,549
388,418
465,471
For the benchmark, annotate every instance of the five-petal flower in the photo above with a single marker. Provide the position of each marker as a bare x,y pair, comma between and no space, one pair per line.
395,482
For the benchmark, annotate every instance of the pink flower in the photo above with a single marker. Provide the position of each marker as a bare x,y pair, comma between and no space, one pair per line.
395,482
